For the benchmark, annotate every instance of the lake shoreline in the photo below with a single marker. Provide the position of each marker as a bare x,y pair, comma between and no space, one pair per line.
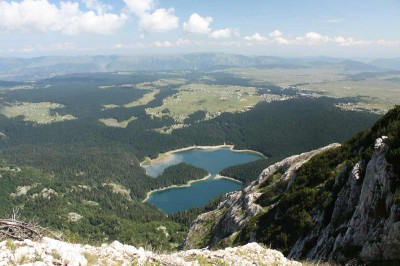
190,182
229,178
165,156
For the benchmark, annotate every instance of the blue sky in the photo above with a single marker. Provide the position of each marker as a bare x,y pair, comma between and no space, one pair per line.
285,28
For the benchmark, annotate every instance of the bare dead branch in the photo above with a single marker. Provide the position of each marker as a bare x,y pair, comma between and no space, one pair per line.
13,229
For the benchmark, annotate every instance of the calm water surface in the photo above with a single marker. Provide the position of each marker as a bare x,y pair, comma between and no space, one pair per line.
199,193
214,160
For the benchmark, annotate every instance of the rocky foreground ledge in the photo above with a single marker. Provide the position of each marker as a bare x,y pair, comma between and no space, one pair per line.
53,252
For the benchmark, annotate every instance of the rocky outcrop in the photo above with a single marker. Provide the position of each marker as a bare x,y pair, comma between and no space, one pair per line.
236,208
365,221
3,136
54,252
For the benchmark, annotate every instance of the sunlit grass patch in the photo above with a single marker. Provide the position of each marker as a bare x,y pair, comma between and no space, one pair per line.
370,93
153,88
213,99
148,97
112,122
40,113
110,106
161,83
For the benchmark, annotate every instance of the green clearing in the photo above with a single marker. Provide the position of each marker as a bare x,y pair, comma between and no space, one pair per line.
18,87
112,122
148,97
154,88
214,99
371,93
161,83
110,106
36,112
289,76
147,161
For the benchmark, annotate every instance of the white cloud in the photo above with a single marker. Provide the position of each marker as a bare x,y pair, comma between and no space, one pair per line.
343,41
314,38
388,43
183,42
309,39
161,20
275,34
256,37
198,24
225,33
277,38
140,7
163,44
67,18
97,5
150,20
129,46
281,40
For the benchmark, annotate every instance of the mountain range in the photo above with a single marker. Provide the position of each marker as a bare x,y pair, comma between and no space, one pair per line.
43,67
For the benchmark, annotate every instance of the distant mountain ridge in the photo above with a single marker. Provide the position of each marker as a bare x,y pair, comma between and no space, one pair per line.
48,66
388,63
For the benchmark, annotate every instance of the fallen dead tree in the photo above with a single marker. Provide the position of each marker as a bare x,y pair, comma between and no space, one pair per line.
16,230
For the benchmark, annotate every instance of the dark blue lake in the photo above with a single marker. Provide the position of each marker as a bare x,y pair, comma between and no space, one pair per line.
199,193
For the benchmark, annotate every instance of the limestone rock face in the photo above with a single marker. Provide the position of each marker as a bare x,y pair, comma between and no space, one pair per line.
54,252
364,221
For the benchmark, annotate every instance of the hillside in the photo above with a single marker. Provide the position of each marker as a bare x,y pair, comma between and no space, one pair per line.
338,203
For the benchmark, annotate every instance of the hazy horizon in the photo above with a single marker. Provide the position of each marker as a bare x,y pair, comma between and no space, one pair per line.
365,59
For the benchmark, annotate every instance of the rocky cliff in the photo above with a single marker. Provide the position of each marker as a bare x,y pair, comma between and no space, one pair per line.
365,220
53,252
338,203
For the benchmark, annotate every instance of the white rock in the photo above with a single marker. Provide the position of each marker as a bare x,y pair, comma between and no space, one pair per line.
73,259
22,252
